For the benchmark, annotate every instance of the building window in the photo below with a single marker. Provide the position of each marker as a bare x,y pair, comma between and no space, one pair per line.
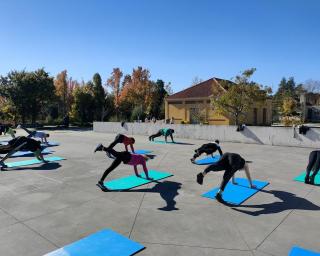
264,116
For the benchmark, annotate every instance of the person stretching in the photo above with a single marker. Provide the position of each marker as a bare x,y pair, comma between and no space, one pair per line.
125,157
35,134
21,143
163,132
313,165
231,163
127,141
208,148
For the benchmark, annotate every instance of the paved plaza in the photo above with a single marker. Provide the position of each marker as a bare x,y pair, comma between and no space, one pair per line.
45,207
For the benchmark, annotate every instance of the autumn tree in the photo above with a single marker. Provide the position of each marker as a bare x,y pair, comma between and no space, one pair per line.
114,82
240,96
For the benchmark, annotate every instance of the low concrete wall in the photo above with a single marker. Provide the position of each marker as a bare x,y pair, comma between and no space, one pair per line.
279,136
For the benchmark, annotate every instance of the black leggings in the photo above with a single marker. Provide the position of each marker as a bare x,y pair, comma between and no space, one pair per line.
314,164
118,139
123,156
229,162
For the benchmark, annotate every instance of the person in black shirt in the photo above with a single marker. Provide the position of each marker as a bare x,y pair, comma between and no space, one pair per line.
208,148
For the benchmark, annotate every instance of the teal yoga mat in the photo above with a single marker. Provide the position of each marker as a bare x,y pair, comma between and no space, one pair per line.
33,161
134,181
301,177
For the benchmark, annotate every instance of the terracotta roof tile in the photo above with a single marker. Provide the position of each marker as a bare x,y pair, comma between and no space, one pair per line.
201,90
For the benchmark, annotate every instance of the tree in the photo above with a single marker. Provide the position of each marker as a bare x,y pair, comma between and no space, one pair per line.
196,80
312,86
288,106
114,83
158,94
99,97
83,106
29,92
240,96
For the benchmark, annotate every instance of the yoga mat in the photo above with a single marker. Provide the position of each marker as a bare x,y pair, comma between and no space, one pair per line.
34,161
207,160
301,177
297,251
142,151
170,142
237,194
29,153
50,144
134,181
103,243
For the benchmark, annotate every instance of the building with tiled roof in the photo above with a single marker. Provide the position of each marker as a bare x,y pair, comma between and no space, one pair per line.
193,105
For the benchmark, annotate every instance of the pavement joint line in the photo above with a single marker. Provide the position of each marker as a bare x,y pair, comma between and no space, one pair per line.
135,218
266,252
196,246
292,210
239,231
39,234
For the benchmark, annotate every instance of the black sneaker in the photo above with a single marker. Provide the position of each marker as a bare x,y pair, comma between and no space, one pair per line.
98,148
311,181
192,160
200,178
102,186
307,180
219,198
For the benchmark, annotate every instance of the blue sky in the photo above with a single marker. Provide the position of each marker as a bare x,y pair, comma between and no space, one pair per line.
176,40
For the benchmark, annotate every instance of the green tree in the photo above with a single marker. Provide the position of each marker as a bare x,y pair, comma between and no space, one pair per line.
83,105
99,97
29,92
240,96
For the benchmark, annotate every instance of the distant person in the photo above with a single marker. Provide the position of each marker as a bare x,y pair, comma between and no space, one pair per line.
163,132
8,129
65,121
36,134
154,119
230,163
208,148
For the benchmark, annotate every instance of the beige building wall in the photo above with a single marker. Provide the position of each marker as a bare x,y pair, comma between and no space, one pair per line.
180,110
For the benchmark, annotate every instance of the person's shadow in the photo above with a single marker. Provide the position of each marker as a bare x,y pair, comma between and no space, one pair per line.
42,167
168,190
289,201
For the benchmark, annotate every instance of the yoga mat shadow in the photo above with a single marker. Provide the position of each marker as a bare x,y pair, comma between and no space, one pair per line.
168,190
289,201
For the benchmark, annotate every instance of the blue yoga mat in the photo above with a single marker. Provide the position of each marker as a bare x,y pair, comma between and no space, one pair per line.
29,153
208,160
34,161
50,144
103,243
134,181
297,251
237,194
142,151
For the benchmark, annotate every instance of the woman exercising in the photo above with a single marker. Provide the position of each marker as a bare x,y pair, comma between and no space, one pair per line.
125,157
127,141
21,143
208,148
231,163
313,165
35,134
163,132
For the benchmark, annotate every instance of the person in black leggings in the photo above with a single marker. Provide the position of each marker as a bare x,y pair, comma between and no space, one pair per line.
231,163
208,148
21,143
313,165
127,141
125,157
